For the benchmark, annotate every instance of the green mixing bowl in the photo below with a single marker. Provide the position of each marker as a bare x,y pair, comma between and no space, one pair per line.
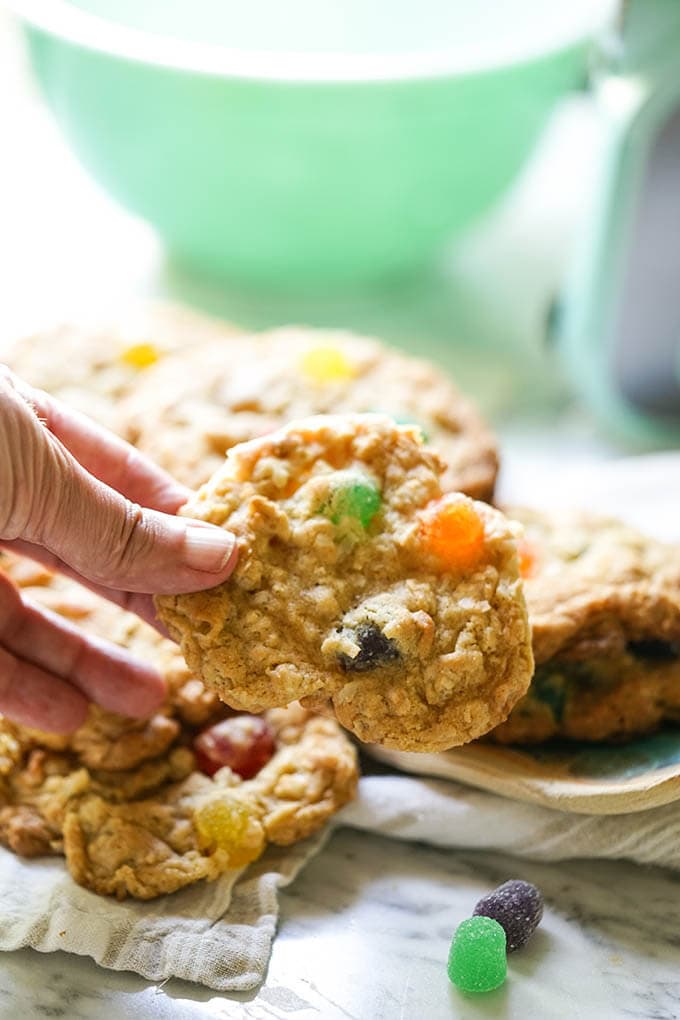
309,140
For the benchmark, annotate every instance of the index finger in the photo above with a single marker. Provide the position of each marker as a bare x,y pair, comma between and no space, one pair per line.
103,672
132,601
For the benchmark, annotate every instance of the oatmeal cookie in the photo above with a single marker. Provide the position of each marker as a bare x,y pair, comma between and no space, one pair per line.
35,795
92,366
604,605
33,799
201,827
359,586
124,799
188,411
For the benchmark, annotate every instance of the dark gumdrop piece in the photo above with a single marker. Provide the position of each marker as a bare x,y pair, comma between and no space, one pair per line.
518,908
654,650
551,689
374,650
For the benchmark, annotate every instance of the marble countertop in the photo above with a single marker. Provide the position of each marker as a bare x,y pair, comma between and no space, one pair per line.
364,935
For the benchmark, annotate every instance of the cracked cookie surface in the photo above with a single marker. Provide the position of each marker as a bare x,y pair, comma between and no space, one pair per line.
93,366
604,604
186,413
359,587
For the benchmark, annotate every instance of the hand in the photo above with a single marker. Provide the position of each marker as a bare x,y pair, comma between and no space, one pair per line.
82,501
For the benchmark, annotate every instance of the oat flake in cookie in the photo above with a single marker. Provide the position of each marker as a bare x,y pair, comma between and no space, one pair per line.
360,586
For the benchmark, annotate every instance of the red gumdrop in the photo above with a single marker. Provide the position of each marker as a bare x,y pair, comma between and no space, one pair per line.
243,742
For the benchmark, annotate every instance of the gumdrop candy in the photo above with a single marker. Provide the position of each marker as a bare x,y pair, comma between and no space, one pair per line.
517,906
244,742
228,824
140,355
527,559
477,960
353,497
374,650
452,530
326,365
407,419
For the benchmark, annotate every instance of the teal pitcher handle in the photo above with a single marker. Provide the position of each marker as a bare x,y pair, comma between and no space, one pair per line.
618,331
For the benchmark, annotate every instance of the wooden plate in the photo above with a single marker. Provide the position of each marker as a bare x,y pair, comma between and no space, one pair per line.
591,779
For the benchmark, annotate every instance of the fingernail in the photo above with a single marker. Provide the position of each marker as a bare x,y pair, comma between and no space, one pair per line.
207,549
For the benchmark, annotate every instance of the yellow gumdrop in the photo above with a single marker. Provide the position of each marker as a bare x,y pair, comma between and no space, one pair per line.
140,355
227,823
327,364
453,531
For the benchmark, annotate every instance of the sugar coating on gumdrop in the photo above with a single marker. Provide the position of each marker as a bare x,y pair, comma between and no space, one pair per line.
353,496
477,958
518,908
452,530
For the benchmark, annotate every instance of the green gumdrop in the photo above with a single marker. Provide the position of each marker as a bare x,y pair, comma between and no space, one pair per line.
477,958
351,498
403,420
550,688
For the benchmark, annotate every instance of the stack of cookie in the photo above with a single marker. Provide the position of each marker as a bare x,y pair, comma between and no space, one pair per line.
376,586
123,798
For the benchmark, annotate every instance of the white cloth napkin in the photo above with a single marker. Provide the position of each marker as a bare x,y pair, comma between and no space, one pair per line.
220,934
446,813
217,934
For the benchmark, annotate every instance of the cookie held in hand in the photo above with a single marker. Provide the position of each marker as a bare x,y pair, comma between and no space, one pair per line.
360,587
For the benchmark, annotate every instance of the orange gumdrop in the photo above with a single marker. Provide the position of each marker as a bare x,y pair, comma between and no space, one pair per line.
527,558
454,532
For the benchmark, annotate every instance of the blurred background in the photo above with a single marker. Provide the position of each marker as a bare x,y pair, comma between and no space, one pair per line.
495,189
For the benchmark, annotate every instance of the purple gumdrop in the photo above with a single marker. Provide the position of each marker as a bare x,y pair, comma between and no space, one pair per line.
518,908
